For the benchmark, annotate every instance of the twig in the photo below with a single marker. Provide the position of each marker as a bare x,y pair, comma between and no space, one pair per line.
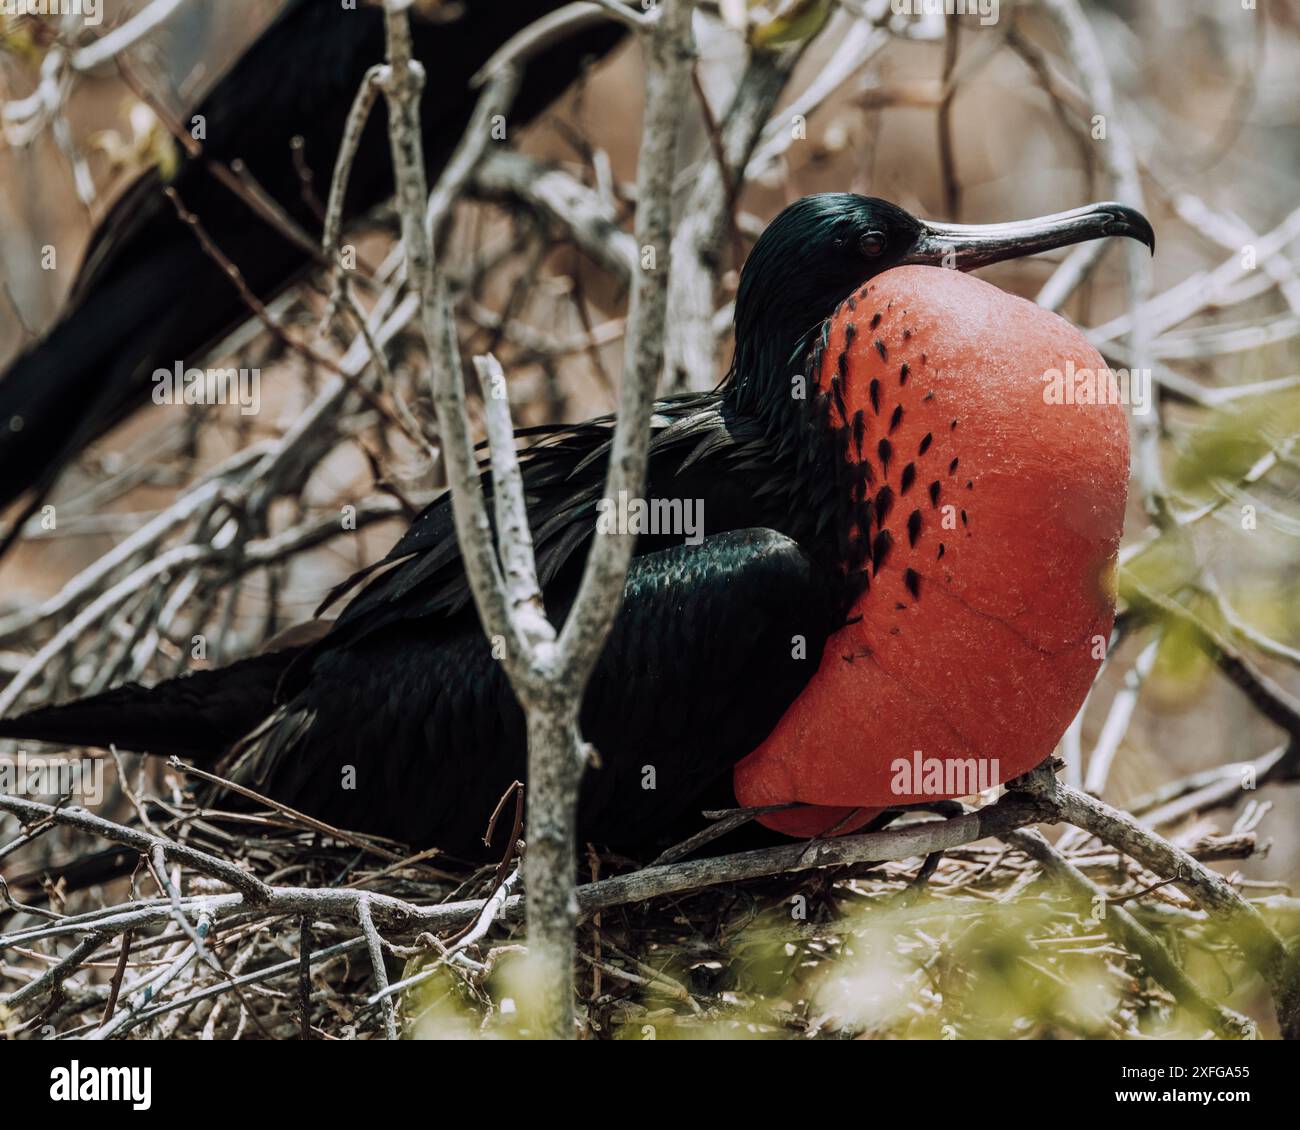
121,38
554,27
365,843
28,811
376,946
115,985
495,101
723,822
271,323
353,128
558,198
707,219
53,977
947,158
1118,717
1216,788
548,676
1271,700
913,840
492,910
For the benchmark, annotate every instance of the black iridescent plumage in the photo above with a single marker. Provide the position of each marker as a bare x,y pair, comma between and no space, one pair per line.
713,643
714,640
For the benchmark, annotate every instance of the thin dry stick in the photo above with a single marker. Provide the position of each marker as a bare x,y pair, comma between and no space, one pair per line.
492,910
53,977
560,200
1219,787
495,102
518,564
1272,700
354,127
121,38
1117,719
376,946
365,843
555,26
240,880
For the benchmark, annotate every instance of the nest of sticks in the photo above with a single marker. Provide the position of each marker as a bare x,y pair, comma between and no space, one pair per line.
965,923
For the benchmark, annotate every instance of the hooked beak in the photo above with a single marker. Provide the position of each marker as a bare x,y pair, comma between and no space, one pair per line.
968,246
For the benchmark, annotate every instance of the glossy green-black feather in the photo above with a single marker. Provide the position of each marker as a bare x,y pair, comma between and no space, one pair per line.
712,644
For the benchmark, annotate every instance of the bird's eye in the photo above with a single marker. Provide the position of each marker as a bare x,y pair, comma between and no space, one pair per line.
872,244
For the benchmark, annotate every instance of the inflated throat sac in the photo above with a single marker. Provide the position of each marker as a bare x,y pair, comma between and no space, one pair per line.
989,485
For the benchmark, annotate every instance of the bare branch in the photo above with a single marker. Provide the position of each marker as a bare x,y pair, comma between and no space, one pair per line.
667,86
494,102
249,886
130,33
376,947
555,26
514,537
557,197
1243,922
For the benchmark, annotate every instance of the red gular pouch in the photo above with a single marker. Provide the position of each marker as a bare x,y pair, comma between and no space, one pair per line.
989,512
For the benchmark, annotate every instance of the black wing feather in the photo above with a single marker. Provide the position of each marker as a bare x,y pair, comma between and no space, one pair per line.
413,732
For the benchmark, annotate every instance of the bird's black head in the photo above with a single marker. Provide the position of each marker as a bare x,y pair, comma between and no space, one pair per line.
820,249
814,254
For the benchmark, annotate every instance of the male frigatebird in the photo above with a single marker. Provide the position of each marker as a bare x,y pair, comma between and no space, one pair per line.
149,295
905,550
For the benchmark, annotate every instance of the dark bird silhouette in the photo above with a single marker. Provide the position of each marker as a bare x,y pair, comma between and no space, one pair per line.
823,510
148,295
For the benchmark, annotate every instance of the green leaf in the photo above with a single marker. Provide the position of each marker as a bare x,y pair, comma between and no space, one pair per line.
794,21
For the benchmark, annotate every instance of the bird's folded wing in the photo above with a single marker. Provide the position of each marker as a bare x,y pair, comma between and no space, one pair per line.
412,731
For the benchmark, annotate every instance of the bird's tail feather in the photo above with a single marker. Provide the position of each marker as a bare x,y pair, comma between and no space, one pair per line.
197,716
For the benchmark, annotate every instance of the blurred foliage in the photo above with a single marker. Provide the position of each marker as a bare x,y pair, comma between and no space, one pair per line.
1164,566
1232,441
21,38
149,146
772,24
1040,966
1181,668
